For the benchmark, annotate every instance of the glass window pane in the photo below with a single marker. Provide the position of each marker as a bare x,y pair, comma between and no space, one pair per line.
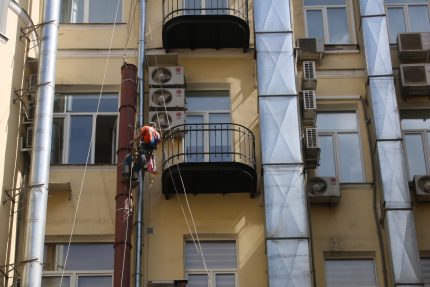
104,11
220,137
350,273
351,169
327,165
404,1
194,138
396,23
419,18
88,103
415,154
208,101
337,121
59,103
193,4
324,2
55,281
72,11
224,280
95,281
218,254
87,256
415,124
105,147
197,280
79,138
338,26
216,5
57,140
314,21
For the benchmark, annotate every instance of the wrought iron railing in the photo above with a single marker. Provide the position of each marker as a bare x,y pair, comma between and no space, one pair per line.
215,142
175,8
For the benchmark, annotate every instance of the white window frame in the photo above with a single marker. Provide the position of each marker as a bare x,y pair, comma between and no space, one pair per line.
334,135
66,116
203,7
87,14
4,6
405,6
323,9
211,273
340,258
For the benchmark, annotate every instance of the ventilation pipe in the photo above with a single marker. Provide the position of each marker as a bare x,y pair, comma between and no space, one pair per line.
399,220
123,209
140,205
40,156
287,229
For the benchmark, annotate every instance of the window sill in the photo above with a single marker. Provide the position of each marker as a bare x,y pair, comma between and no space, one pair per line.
356,185
3,38
342,49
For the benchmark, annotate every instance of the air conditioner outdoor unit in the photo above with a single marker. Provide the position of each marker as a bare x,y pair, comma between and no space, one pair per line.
312,151
166,98
309,107
415,79
323,190
166,120
414,46
32,83
166,76
422,187
29,113
310,49
309,76
27,141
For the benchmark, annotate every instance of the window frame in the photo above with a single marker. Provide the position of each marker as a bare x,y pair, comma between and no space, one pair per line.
334,135
405,9
202,10
323,8
4,6
86,15
66,116
352,258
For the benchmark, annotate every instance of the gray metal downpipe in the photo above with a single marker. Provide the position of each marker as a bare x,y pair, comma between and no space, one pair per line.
140,206
287,225
388,148
40,158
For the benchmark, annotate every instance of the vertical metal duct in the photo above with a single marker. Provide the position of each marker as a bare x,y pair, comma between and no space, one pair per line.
124,215
388,147
140,205
40,157
287,230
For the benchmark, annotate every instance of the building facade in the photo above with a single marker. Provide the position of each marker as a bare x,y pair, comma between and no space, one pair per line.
295,142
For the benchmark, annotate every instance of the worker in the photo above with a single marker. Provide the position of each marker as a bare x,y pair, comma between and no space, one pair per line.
150,139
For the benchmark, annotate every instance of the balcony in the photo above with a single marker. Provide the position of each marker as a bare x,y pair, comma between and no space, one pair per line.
213,24
209,159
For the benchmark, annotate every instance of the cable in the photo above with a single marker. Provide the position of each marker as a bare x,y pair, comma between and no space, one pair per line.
90,145
130,26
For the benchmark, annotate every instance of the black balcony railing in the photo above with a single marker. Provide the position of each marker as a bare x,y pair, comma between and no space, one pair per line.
209,158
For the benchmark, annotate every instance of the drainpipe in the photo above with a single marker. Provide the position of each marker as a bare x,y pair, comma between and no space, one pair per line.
124,215
40,157
139,205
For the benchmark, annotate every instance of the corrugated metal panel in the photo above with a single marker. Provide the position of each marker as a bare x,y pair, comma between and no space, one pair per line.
350,273
272,15
217,254
425,268
372,7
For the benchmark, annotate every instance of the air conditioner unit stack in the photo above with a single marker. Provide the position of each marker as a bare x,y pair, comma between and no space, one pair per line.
323,190
309,76
27,140
312,150
414,47
310,49
166,96
309,106
415,79
32,83
29,113
422,187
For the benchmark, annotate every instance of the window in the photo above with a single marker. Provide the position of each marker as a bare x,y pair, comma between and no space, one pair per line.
90,11
416,141
329,20
208,118
208,7
350,272
339,141
87,265
74,122
425,267
221,262
406,16
4,4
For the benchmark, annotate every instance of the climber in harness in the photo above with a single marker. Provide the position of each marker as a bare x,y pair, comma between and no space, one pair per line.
150,139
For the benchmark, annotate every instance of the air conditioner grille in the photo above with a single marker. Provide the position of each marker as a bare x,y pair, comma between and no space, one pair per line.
424,184
309,100
308,44
29,137
161,75
410,41
415,74
163,120
309,70
311,138
162,97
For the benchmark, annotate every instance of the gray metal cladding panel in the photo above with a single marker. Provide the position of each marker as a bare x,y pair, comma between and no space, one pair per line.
372,7
275,64
393,174
404,247
272,16
376,44
384,104
289,263
280,130
285,202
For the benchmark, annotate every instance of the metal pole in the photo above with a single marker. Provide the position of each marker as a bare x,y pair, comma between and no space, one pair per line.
40,158
124,216
139,206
